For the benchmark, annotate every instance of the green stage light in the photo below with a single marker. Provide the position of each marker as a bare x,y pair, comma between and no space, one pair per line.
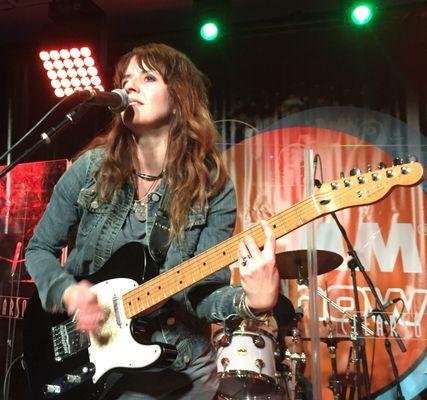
362,13
209,31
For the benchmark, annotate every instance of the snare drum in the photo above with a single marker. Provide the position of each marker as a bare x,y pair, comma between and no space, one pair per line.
246,363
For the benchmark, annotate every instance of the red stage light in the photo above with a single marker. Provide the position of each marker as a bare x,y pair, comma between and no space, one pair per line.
64,53
78,62
48,65
75,82
72,73
85,81
54,54
75,52
82,71
62,74
58,64
55,84
52,74
89,62
72,67
92,71
85,51
44,55
68,63
95,80
59,92
65,83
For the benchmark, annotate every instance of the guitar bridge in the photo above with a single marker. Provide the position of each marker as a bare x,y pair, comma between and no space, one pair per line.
67,340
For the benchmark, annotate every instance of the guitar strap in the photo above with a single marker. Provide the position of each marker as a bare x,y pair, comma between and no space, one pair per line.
159,241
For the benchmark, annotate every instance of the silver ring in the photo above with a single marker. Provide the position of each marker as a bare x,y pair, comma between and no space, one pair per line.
245,260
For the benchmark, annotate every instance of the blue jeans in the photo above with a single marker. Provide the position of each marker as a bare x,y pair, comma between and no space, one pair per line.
198,381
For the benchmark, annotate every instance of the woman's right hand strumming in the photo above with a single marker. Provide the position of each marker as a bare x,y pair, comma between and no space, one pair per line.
81,302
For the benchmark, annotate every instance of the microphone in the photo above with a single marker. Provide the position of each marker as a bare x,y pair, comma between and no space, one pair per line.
117,100
386,305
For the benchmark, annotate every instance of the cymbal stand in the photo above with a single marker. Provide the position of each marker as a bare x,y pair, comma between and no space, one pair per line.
347,377
295,358
334,383
358,339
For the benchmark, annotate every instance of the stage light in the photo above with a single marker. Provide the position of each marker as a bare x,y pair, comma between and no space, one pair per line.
82,71
75,53
85,52
209,31
48,65
64,53
211,19
89,62
44,55
68,63
92,71
62,74
59,92
58,64
68,70
362,12
54,54
78,62
72,73
75,82
65,83
55,83
52,74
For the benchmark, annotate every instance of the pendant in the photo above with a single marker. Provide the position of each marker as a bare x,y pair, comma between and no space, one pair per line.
140,210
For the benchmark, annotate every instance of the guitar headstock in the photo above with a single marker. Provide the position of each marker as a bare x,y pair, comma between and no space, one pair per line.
359,189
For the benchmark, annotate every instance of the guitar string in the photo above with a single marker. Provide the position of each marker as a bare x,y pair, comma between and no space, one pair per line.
258,234
191,265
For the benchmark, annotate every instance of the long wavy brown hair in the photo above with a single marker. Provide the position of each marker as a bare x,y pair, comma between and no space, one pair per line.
193,164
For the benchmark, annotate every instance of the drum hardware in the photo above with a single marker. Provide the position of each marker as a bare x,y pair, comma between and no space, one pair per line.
295,390
246,365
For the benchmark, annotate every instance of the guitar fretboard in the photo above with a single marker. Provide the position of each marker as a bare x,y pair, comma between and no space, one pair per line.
164,286
345,192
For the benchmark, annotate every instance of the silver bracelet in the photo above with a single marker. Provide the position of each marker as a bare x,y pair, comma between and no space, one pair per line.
246,313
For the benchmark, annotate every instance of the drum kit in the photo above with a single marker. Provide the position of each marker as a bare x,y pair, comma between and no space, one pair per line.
265,361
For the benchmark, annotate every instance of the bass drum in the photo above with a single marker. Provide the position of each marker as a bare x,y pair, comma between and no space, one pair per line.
246,363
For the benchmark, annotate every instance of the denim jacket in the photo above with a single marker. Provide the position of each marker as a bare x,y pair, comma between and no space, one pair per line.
74,201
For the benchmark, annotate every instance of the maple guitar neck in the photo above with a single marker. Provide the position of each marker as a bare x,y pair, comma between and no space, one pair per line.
335,195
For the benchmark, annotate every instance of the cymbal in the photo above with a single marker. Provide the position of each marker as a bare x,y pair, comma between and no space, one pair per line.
293,264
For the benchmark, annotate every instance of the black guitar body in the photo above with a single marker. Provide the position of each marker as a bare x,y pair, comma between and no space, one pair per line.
72,376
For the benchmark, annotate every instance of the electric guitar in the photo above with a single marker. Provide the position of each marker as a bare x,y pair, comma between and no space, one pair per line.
64,363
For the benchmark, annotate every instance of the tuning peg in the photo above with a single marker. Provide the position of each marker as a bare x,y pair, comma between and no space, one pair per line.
411,158
397,161
369,168
342,175
382,165
355,171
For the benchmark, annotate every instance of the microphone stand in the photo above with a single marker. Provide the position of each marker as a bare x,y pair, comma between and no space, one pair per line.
360,345
72,117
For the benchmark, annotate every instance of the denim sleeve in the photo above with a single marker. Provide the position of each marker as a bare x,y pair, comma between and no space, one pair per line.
213,298
51,236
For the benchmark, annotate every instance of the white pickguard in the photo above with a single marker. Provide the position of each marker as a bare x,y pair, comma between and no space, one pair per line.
114,345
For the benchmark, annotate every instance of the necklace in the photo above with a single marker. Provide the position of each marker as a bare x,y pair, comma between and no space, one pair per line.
139,207
147,177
